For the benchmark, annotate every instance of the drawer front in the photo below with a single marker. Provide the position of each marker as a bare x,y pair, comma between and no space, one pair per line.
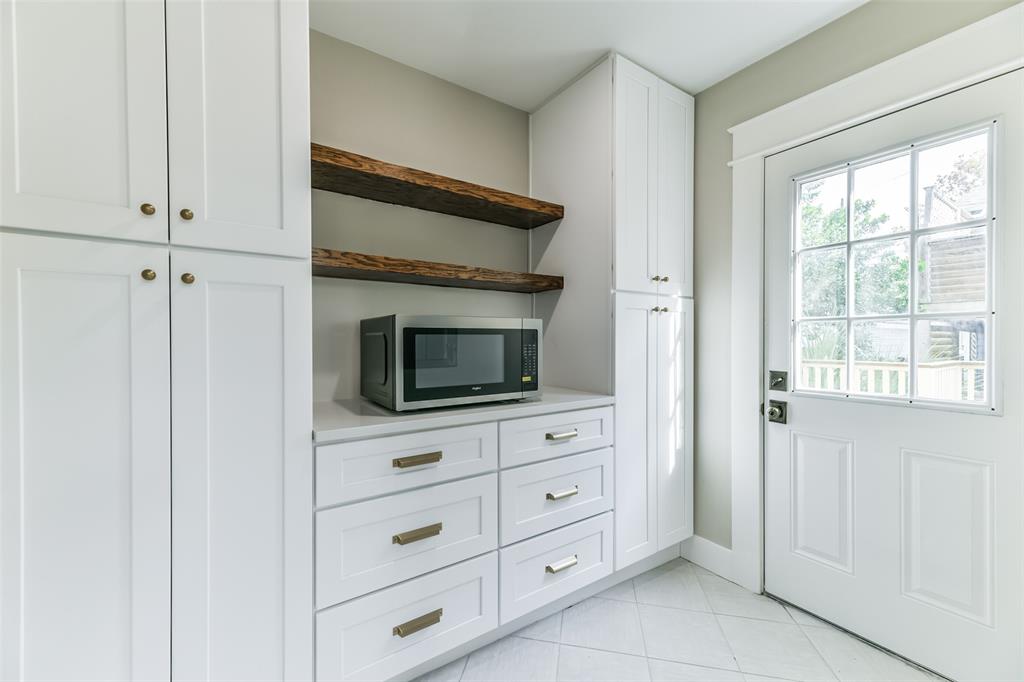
552,435
543,496
379,466
362,640
368,545
540,570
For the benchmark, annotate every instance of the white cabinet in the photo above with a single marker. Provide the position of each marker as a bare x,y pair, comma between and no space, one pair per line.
242,476
82,118
238,125
653,172
84,460
653,418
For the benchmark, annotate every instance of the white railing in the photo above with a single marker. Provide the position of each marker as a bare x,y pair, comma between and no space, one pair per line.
946,380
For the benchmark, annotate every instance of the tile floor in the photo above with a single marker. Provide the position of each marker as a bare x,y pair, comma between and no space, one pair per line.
678,622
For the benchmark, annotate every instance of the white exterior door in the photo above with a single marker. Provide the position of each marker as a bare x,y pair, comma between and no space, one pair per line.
636,173
83,135
893,500
84,460
674,407
675,191
636,454
238,117
242,499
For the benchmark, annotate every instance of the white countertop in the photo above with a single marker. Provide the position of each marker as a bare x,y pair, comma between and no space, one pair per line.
355,418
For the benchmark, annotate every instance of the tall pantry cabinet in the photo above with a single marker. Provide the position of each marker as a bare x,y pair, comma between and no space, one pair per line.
617,146
155,469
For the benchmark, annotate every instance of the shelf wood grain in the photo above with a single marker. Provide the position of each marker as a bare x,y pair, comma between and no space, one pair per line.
351,265
336,170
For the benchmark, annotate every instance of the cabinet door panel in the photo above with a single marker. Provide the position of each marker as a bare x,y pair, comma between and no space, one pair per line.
636,466
84,461
242,468
636,168
675,191
674,421
238,116
82,118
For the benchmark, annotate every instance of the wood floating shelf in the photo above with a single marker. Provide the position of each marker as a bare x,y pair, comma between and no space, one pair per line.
350,265
335,170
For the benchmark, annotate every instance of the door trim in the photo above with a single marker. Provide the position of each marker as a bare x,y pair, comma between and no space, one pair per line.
983,50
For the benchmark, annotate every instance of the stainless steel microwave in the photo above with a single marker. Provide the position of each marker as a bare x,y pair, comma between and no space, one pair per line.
411,362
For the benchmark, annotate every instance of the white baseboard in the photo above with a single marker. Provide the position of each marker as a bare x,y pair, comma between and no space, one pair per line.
710,556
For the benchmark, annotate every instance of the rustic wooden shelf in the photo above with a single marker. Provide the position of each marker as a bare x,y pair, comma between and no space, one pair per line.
350,265
339,171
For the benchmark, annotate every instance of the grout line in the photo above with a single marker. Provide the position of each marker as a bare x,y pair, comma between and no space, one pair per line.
465,664
818,651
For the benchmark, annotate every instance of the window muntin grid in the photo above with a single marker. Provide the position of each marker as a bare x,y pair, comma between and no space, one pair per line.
903,311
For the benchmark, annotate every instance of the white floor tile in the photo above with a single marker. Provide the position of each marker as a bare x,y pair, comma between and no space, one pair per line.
759,678
668,671
731,599
685,636
852,659
774,649
513,658
803,618
547,629
603,624
446,673
621,592
590,665
675,586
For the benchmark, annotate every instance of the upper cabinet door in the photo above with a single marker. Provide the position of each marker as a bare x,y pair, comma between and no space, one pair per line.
636,168
675,191
83,137
242,497
238,116
675,420
85,547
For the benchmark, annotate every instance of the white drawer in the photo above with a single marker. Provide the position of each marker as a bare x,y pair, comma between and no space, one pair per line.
540,570
543,496
357,640
359,547
552,435
378,466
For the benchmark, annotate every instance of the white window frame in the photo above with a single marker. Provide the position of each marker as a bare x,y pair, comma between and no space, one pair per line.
991,404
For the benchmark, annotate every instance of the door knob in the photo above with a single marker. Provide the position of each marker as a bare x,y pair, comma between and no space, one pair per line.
147,209
148,274
186,214
188,278
777,411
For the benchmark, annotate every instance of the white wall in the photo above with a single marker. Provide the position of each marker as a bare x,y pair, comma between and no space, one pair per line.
371,105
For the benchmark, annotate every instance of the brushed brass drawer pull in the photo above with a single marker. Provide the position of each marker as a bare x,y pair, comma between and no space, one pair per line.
567,435
562,565
561,495
416,535
416,624
417,460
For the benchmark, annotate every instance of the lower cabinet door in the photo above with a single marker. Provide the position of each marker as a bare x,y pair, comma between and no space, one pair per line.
84,460
389,632
675,421
242,467
538,571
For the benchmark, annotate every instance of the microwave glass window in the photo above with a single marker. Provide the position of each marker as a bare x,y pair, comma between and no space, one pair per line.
443,360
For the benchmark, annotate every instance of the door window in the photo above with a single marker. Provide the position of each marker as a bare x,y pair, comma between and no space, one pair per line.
892,286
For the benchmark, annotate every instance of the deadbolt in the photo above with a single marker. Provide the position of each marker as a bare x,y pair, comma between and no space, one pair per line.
777,380
777,411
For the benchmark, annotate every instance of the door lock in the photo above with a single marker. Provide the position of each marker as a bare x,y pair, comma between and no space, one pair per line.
777,411
777,380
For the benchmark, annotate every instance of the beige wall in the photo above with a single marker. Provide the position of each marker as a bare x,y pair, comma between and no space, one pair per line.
371,105
866,36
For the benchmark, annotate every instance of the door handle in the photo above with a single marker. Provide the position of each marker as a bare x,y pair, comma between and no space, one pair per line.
778,411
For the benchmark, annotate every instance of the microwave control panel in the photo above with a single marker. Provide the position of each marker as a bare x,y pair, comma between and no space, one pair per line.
531,360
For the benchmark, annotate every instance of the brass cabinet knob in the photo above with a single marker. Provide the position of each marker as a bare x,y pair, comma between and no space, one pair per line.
147,209
149,275
188,278
664,278
655,309
186,214
664,310
655,279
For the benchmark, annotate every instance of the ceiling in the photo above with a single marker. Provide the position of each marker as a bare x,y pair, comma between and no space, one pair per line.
522,51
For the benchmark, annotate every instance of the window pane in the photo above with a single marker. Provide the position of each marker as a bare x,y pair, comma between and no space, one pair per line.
881,198
822,281
952,271
951,359
822,211
822,360
881,354
881,272
952,182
